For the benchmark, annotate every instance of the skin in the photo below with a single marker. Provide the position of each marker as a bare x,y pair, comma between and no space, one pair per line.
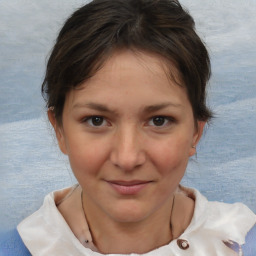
130,144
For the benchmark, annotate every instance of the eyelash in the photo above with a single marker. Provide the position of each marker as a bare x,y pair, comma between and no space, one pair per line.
89,118
167,121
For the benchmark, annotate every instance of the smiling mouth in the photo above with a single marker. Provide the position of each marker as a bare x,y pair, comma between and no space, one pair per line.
132,187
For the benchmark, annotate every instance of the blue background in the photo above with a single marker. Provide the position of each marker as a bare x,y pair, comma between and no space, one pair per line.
31,165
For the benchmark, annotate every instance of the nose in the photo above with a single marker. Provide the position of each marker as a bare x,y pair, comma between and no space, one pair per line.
128,150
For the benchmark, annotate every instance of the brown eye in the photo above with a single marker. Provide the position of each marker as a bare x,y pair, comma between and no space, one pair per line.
95,121
159,120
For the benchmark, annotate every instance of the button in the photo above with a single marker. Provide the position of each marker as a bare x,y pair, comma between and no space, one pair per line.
183,244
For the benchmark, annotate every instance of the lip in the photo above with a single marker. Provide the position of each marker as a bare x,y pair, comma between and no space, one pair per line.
132,187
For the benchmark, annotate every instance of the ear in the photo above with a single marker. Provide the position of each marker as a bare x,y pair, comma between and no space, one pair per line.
199,129
58,131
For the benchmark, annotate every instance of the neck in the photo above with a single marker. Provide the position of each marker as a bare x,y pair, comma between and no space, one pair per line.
140,241
111,236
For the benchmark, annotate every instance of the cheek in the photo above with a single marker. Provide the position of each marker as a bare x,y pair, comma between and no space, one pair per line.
171,155
86,159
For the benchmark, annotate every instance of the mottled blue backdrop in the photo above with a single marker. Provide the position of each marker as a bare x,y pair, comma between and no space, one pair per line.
31,164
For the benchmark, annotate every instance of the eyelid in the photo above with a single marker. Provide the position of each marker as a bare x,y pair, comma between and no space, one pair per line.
87,118
170,120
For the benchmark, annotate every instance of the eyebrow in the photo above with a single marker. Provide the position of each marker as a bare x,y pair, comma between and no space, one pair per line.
147,109
154,108
95,106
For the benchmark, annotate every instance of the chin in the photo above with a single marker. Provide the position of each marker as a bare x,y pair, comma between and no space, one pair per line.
129,212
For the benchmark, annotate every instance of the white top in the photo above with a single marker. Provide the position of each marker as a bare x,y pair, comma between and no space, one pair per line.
214,229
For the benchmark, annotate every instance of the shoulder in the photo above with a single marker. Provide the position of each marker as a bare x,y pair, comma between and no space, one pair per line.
46,232
37,227
233,220
219,225
12,245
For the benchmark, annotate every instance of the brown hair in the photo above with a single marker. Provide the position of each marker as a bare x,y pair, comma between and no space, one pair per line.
93,32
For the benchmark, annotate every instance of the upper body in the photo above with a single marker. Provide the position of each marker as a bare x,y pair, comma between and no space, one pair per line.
215,228
125,87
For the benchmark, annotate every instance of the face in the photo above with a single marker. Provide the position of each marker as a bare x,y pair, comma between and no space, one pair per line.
128,132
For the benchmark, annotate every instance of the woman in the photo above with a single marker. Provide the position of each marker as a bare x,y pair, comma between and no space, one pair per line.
125,89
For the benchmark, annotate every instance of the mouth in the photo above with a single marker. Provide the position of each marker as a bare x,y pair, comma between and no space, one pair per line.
131,187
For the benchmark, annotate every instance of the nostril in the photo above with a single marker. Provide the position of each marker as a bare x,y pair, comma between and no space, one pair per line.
128,161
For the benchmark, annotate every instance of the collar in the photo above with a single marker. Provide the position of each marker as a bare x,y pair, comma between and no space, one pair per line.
214,226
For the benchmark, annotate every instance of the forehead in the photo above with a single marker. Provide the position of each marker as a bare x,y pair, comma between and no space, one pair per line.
149,64
132,74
